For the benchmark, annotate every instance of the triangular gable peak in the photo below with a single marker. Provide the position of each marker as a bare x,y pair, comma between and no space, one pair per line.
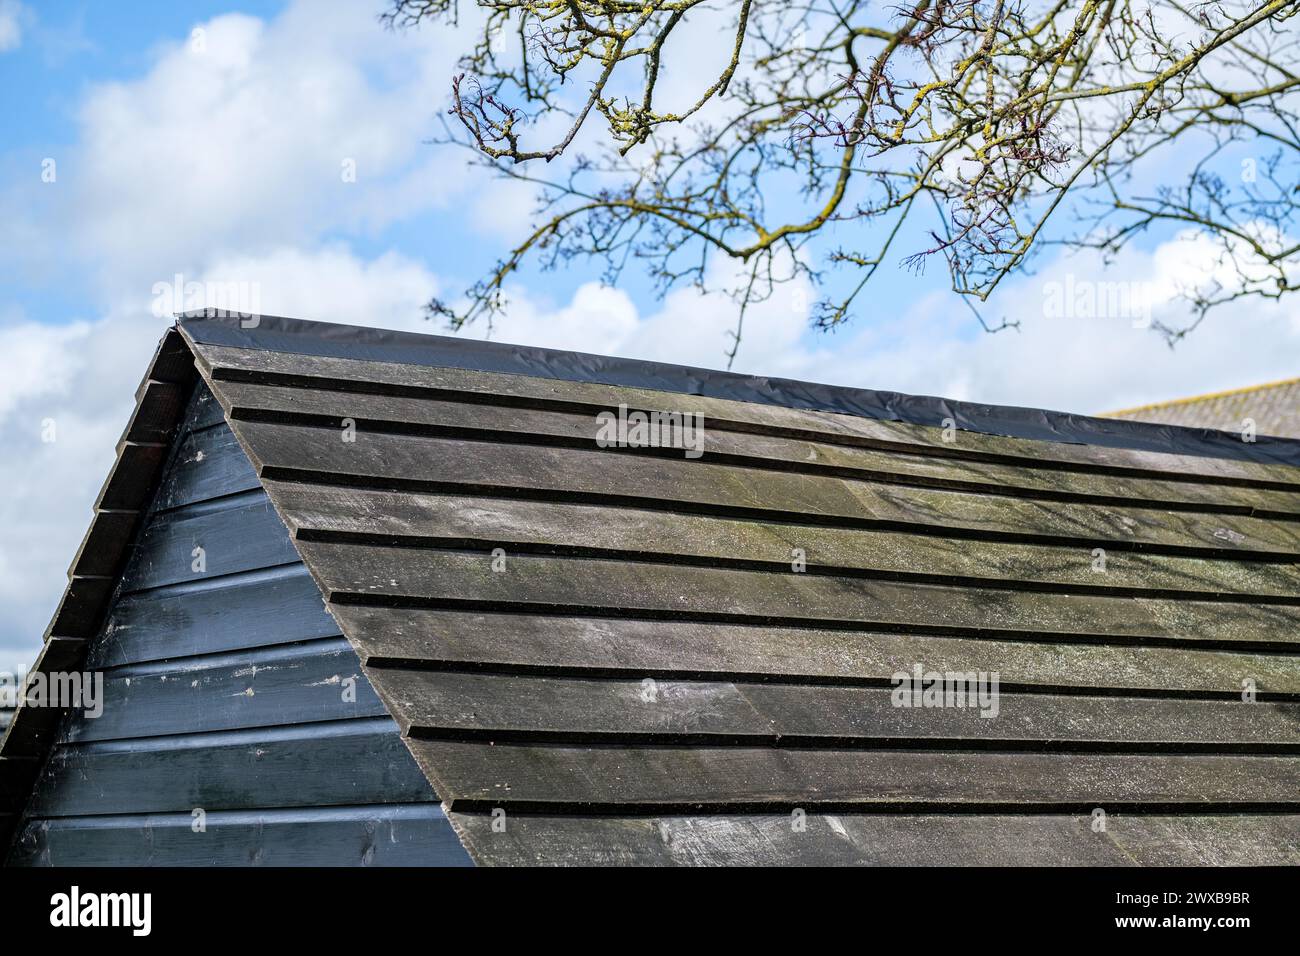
226,719
616,651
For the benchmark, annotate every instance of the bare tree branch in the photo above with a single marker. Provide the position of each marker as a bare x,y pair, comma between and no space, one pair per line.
833,116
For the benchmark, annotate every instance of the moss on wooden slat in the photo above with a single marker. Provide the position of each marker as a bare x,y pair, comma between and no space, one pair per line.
884,840
756,450
611,645
535,776
512,523
771,712
660,482
623,589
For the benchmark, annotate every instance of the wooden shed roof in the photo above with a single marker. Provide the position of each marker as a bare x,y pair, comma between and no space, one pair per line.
689,660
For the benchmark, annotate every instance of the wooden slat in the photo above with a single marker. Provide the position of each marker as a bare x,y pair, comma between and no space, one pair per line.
265,729
60,654
770,713
665,648
157,411
82,606
132,476
359,573
884,840
472,420
689,485
105,545
676,777
271,607
511,523
775,419
241,533
298,684
207,464
401,835
350,762
206,411
172,361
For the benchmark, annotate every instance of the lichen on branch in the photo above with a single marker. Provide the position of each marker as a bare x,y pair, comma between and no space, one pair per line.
794,140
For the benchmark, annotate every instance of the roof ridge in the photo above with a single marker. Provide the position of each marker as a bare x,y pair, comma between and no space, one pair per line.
368,343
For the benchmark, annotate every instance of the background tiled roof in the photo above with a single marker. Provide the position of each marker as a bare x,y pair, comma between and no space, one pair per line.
1274,407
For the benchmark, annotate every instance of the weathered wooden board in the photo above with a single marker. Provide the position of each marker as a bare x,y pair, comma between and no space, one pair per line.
207,464
132,475
600,531
60,654
279,606
394,835
278,686
105,545
747,778
433,464
348,762
578,645
81,607
608,554
504,707
229,364
480,421
205,412
141,453
236,533
884,840
172,362
158,410
367,574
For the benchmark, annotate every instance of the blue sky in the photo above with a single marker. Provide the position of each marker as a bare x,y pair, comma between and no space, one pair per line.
222,161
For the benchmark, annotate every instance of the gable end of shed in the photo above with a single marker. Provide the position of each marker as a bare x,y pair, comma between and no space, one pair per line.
234,724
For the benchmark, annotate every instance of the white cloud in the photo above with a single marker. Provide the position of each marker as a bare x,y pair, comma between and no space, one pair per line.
73,384
686,327
35,361
1075,363
599,319
82,377
333,285
243,137
11,30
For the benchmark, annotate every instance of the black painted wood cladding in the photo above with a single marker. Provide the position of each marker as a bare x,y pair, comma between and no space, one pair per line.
237,727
